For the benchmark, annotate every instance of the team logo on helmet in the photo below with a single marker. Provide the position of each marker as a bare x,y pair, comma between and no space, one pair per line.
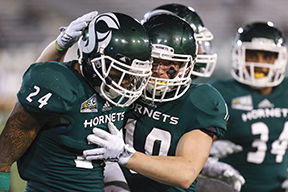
102,36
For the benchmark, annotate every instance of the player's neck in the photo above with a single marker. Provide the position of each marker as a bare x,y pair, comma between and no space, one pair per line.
77,67
265,91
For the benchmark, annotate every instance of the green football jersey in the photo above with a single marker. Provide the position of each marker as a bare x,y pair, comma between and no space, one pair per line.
54,161
260,125
156,128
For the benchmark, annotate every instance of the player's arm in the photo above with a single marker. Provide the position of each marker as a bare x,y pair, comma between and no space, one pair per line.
50,53
68,36
19,132
181,170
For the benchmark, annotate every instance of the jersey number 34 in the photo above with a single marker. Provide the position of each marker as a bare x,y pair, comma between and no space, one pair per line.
278,147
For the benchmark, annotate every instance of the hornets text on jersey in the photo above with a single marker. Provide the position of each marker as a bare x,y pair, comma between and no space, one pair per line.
260,125
156,128
54,161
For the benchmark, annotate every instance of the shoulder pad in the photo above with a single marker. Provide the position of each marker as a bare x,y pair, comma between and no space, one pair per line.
211,107
49,87
208,99
220,84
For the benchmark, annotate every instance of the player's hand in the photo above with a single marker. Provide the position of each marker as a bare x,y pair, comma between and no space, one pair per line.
222,148
223,171
70,35
111,146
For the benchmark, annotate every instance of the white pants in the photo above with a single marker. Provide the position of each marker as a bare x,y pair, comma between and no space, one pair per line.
114,180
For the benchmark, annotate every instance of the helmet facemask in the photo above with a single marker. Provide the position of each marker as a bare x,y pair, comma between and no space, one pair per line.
206,58
121,84
168,89
248,72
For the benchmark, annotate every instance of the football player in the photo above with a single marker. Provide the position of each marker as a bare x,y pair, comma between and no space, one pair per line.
114,179
173,125
257,104
59,103
205,64
206,57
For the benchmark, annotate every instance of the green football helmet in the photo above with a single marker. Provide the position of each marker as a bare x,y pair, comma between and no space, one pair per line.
115,54
206,58
259,36
172,40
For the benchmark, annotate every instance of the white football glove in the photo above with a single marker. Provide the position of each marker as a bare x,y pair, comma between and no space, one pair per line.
223,171
70,35
111,146
222,148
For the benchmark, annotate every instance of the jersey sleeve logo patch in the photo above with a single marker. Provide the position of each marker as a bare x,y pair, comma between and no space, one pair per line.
244,103
90,105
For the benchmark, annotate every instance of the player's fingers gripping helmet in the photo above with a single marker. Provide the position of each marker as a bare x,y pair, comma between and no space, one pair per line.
260,37
172,40
115,53
206,58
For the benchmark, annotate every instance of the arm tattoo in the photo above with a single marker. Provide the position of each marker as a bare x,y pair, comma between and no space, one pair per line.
19,132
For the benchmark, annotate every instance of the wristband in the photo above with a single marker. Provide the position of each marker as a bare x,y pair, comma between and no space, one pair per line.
4,181
126,154
57,47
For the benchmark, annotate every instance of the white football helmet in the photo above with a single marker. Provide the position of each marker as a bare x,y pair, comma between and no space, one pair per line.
259,37
172,40
115,53
206,58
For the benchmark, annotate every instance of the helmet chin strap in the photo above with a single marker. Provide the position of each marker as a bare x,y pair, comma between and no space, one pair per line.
110,93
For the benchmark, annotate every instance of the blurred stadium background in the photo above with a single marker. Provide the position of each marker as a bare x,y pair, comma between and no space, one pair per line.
27,26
